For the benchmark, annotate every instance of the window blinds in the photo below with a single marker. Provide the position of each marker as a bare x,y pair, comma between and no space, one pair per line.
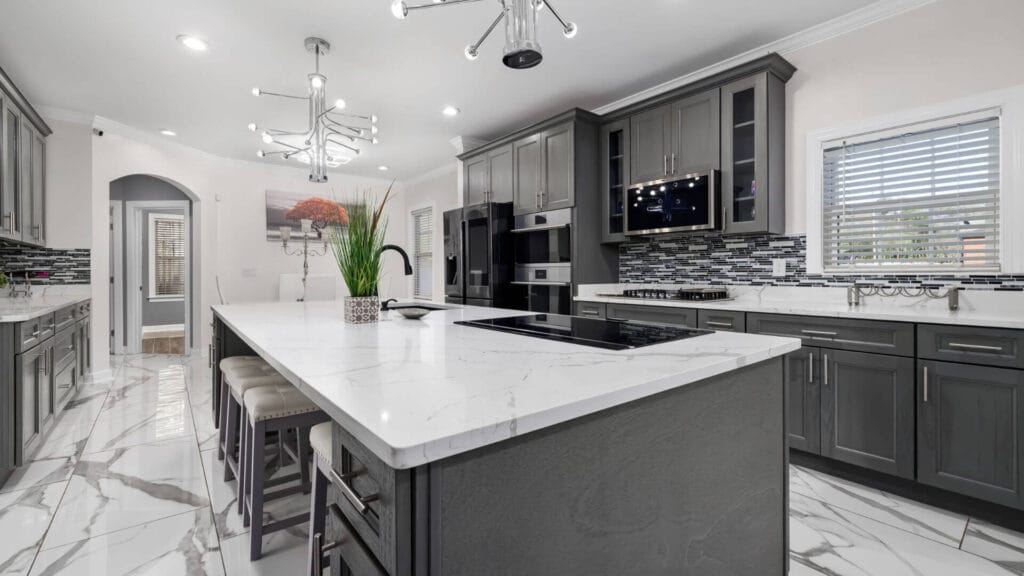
924,199
423,258
168,257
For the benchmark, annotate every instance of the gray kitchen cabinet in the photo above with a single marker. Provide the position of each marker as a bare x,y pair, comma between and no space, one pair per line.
36,228
591,309
476,180
867,410
722,320
22,167
32,374
696,129
753,155
488,177
970,430
660,314
802,370
650,142
10,225
25,187
84,343
527,162
614,180
64,365
557,186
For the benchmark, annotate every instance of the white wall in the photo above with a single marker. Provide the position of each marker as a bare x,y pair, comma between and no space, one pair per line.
940,52
439,190
68,184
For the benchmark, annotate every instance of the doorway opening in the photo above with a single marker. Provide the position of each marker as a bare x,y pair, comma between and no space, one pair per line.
151,266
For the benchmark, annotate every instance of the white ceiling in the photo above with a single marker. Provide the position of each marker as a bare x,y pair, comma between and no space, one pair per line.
119,59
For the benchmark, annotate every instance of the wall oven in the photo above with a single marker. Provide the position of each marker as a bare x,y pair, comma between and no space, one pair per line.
689,203
543,262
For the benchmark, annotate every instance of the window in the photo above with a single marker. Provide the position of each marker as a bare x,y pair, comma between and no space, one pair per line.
423,257
923,197
166,256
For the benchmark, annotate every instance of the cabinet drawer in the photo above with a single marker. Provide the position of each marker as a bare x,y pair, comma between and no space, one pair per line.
64,317
990,346
64,349
351,549
661,314
894,338
34,331
591,309
726,320
376,499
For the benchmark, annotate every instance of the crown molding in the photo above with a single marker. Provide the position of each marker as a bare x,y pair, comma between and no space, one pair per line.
876,12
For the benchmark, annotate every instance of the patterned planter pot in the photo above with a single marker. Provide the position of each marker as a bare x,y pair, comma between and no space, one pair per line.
362,309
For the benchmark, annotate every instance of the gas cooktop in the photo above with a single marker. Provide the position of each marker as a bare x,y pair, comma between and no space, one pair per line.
684,294
596,332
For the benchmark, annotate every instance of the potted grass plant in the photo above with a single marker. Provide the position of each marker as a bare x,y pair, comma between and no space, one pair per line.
357,251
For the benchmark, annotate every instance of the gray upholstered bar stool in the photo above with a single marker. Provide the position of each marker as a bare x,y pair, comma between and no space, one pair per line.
275,408
237,381
227,365
321,440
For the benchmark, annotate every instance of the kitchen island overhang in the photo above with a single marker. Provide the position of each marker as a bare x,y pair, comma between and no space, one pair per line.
538,457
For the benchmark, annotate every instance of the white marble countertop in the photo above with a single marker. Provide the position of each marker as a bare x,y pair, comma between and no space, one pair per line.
416,391
22,309
985,308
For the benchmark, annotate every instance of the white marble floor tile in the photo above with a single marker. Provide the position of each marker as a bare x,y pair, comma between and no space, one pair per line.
39,472
841,543
927,521
284,553
185,545
24,518
1001,545
202,417
127,487
71,432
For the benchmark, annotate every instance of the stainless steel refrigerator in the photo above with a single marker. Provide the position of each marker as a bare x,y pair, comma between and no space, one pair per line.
478,254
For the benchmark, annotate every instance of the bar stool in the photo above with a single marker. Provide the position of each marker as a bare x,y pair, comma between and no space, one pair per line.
227,365
274,408
321,440
237,381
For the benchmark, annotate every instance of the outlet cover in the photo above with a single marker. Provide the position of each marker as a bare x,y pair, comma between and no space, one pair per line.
778,267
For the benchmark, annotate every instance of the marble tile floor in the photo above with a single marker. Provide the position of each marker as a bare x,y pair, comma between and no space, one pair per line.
128,483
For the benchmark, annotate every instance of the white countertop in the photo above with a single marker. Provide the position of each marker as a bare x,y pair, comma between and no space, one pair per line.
984,308
416,391
22,309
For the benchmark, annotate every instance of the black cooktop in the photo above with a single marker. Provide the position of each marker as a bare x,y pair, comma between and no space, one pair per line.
599,333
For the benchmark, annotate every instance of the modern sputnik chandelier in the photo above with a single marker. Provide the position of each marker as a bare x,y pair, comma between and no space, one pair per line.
332,138
522,49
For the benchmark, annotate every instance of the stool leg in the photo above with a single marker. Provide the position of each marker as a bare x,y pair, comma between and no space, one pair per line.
317,512
243,469
302,449
256,473
229,431
222,418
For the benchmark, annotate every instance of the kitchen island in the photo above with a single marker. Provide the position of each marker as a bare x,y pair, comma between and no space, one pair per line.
468,451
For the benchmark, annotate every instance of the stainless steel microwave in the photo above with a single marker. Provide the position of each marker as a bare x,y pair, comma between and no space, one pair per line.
689,203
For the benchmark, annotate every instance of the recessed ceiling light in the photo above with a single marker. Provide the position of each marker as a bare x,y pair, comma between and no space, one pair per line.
166,132
193,43
383,168
451,111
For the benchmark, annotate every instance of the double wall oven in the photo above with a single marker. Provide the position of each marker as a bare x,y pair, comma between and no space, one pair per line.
543,262
478,254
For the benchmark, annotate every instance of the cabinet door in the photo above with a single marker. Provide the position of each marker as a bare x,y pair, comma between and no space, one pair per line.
558,178
476,180
45,392
614,180
696,131
803,399
527,175
745,155
650,140
500,179
30,375
37,228
9,221
25,188
867,410
969,430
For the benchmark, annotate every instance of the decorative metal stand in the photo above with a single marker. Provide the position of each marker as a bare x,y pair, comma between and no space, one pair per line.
305,251
952,294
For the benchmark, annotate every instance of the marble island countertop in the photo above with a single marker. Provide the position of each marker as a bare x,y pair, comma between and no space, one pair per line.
417,391
22,309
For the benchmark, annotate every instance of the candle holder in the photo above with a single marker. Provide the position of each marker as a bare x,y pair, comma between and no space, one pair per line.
305,251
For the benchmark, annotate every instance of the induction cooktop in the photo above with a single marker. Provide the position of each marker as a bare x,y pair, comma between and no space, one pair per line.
596,332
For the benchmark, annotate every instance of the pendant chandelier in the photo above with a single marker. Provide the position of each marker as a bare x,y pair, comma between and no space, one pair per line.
522,50
333,137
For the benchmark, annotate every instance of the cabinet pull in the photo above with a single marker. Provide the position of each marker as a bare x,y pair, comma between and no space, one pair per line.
819,333
719,324
358,502
9,221
926,384
319,548
209,353
664,160
824,368
673,162
810,367
979,347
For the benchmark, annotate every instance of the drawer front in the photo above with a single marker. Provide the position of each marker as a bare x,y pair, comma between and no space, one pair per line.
65,317
660,314
64,349
65,382
351,550
34,331
989,346
591,309
376,500
894,338
725,320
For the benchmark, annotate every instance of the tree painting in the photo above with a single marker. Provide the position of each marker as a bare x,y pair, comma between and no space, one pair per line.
321,211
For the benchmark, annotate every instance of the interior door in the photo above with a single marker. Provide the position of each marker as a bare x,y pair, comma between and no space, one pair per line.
802,371
650,140
527,175
557,189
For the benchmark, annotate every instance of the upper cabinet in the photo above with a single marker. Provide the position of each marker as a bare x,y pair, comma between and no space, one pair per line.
650,142
614,179
675,139
22,167
488,177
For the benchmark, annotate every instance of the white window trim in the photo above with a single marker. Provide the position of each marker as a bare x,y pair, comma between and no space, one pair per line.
411,232
1011,156
151,229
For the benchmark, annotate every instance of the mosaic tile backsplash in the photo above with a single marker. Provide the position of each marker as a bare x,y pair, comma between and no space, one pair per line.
711,258
45,265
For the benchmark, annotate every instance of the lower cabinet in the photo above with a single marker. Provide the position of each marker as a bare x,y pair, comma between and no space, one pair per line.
802,372
32,374
660,314
970,430
867,410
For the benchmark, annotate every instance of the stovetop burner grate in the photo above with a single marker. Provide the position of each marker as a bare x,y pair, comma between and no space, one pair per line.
683,294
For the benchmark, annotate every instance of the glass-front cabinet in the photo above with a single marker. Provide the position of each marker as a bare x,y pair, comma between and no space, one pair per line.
614,179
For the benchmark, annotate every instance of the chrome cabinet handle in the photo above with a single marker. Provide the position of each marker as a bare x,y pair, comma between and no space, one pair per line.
719,324
209,354
824,368
819,333
36,333
926,384
358,502
664,160
673,162
810,367
975,347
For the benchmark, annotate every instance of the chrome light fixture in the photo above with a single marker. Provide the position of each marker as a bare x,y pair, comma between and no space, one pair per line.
332,138
522,49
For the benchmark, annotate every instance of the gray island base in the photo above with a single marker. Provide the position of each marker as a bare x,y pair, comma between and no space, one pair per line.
691,481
